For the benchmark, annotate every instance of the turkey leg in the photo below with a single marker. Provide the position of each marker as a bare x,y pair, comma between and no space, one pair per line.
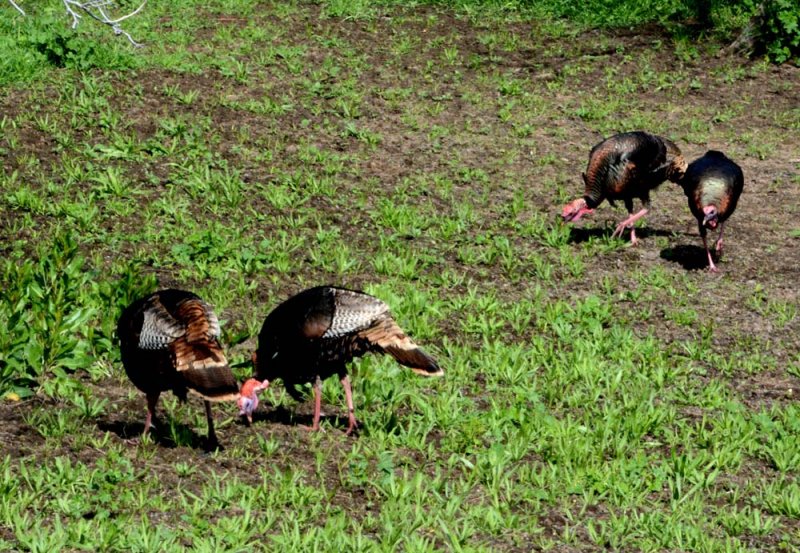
317,402
718,246
351,412
152,400
629,222
711,266
212,436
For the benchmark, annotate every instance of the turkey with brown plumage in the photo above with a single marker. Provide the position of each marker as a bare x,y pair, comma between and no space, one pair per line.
712,184
169,340
624,167
314,334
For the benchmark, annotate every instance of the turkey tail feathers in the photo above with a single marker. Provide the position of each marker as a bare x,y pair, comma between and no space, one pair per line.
386,335
201,322
205,370
416,359
212,384
198,357
676,163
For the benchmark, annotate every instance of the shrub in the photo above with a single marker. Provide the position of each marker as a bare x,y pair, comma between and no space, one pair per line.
38,41
779,30
42,315
55,316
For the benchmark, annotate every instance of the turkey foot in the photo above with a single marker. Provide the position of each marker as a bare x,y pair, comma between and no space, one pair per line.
352,423
142,438
317,406
711,267
629,223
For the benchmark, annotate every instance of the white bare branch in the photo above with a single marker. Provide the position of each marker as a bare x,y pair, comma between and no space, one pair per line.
97,10
20,10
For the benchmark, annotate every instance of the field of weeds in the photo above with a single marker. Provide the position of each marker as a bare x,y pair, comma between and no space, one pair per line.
596,396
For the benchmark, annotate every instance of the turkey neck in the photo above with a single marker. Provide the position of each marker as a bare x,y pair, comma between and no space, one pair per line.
594,194
604,167
713,191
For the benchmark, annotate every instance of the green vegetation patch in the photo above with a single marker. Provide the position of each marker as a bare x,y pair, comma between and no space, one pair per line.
596,396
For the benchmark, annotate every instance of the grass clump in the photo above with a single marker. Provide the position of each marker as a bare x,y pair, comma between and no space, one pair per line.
49,308
42,309
41,41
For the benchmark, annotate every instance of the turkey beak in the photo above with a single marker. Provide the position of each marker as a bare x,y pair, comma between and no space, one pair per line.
249,403
710,218
246,407
248,414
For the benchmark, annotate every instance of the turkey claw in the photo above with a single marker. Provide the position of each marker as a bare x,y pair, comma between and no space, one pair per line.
619,230
352,427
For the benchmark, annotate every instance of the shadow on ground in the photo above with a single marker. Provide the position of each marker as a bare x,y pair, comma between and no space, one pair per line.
286,417
186,437
578,235
690,258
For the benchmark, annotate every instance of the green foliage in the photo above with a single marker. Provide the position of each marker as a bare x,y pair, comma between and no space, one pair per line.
605,13
17,64
779,33
773,25
49,309
42,40
43,310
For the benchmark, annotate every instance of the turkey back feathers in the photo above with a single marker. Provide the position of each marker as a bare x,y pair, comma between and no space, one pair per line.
169,340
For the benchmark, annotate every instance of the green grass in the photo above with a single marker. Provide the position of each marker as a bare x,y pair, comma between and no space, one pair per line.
596,396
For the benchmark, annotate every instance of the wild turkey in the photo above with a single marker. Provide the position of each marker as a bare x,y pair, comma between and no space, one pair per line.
713,184
314,334
623,167
169,340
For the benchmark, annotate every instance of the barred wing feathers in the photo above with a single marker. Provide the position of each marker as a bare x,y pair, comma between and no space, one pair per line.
185,330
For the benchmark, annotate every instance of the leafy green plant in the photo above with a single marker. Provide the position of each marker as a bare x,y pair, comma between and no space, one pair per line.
44,309
49,308
54,42
779,30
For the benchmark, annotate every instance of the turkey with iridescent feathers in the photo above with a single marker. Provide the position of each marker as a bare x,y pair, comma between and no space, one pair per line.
624,167
169,340
713,184
314,334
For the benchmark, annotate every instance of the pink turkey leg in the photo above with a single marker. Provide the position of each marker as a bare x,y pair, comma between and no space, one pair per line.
718,247
711,266
152,400
351,416
317,403
628,222
212,436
